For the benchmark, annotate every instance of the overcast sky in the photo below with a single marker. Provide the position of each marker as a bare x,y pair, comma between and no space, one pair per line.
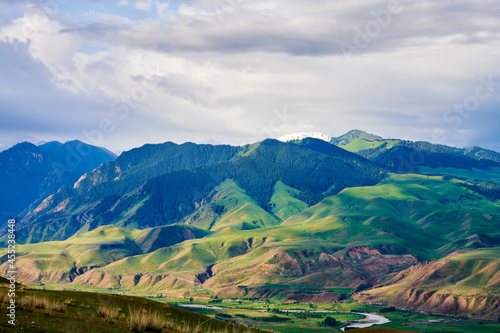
124,73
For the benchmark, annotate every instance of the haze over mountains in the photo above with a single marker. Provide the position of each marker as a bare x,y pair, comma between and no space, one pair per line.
29,173
357,216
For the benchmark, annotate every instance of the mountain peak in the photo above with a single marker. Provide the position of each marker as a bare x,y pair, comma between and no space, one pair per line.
362,134
303,135
355,134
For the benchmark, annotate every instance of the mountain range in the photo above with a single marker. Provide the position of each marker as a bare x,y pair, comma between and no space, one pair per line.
409,224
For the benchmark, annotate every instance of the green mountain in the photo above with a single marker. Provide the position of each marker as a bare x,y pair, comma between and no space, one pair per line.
357,140
479,166
404,156
62,261
132,168
229,206
315,169
285,203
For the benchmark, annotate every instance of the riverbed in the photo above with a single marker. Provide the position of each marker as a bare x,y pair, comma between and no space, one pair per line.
369,320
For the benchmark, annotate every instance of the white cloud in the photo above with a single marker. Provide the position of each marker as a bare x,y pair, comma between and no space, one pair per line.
221,69
144,4
162,9
39,30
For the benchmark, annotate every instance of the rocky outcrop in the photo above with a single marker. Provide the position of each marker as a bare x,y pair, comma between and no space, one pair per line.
147,282
448,304
460,284
205,275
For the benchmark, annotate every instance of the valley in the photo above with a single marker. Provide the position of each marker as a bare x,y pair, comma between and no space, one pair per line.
281,226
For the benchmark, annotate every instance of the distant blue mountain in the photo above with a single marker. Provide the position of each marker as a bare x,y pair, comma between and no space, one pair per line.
29,173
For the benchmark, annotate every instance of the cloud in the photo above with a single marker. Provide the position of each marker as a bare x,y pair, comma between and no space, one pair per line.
143,4
304,28
228,70
31,104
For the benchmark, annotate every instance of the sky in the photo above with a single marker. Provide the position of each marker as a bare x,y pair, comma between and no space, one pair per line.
123,73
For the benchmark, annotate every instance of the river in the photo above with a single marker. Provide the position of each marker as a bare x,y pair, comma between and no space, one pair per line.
369,320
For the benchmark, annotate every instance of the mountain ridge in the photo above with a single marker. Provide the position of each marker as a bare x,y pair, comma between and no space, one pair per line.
301,167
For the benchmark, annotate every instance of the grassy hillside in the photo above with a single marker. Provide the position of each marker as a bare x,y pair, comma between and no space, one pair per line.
354,135
411,157
284,202
472,175
427,215
229,206
62,261
71,311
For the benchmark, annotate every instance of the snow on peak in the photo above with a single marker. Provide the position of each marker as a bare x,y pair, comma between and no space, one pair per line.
303,135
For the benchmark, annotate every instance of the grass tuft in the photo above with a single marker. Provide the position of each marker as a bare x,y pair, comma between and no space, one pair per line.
29,303
144,321
68,301
110,314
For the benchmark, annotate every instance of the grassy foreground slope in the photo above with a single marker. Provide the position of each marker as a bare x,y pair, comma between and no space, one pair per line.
72,311
377,330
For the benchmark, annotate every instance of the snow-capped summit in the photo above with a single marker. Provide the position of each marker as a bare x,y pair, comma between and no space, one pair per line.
303,135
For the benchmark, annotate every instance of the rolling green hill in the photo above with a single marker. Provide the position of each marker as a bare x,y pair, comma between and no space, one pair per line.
284,202
62,261
229,206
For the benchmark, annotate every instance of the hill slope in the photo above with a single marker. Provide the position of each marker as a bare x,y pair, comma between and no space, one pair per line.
74,311
63,261
459,284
